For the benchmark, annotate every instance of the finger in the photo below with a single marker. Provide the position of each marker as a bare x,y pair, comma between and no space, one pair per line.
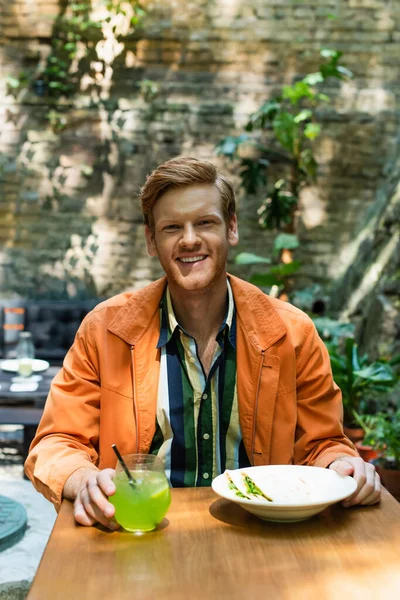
375,495
99,500
94,511
342,467
80,514
365,485
105,481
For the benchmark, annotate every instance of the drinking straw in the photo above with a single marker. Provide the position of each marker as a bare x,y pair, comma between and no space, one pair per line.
123,465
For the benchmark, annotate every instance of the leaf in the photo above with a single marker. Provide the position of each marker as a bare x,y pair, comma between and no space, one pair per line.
253,173
312,130
332,70
266,112
351,353
377,372
264,279
345,72
294,93
313,78
331,328
395,360
303,116
86,170
229,145
13,82
332,54
307,163
285,269
286,130
286,241
277,208
247,258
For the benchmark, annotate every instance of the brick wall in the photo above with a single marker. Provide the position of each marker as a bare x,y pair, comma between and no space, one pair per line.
69,221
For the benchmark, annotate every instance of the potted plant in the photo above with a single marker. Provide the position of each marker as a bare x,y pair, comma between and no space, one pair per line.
360,380
382,433
363,445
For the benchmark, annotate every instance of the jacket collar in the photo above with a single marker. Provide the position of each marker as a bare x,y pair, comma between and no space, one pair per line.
255,313
139,312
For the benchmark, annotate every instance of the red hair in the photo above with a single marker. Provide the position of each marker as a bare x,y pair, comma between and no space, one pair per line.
184,171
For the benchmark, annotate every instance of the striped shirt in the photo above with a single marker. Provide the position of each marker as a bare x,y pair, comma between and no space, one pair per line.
198,433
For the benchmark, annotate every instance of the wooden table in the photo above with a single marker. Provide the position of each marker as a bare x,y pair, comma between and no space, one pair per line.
209,548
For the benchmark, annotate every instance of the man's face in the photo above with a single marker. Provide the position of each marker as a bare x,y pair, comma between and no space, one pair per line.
190,236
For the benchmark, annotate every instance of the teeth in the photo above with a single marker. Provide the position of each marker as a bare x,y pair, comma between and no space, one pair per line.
192,259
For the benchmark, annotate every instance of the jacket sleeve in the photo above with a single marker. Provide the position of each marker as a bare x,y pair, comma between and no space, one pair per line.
319,432
68,433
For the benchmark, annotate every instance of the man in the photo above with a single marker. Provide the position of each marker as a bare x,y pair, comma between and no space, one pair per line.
199,367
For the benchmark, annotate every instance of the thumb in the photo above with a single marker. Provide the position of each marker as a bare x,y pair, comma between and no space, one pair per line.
341,466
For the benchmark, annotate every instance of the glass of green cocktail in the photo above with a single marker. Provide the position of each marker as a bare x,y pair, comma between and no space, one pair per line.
142,506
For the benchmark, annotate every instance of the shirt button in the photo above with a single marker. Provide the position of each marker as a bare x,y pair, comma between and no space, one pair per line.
205,396
206,436
206,475
192,359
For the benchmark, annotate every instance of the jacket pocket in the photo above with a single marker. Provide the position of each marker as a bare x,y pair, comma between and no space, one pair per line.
117,426
265,408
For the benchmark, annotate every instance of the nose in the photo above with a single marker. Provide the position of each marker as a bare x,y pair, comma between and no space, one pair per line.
189,236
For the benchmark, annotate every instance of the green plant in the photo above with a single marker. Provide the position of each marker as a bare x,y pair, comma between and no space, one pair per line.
382,432
80,49
275,274
288,126
148,89
360,380
15,84
332,330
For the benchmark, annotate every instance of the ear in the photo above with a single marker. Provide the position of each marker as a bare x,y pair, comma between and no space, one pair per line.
150,241
233,232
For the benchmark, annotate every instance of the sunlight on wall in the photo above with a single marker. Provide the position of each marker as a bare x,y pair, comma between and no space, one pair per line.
313,208
349,252
114,26
243,108
372,100
109,236
76,264
371,276
230,7
326,151
385,21
147,268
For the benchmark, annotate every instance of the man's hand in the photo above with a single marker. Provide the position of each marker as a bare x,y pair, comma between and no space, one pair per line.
368,481
90,489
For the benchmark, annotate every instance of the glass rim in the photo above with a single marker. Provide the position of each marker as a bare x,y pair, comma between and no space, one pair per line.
141,458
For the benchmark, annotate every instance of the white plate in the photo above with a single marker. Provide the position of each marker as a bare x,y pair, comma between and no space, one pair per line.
12,365
323,487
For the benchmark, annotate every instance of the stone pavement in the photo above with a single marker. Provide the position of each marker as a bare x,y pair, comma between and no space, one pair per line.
19,563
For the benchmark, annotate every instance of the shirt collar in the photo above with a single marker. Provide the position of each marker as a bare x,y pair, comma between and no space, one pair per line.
169,322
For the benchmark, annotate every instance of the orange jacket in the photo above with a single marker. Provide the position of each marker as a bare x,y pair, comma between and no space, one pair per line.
289,406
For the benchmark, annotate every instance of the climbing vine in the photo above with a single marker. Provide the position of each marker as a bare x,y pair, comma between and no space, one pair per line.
87,37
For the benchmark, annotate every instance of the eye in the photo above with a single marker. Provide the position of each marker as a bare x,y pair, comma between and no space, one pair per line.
205,222
170,228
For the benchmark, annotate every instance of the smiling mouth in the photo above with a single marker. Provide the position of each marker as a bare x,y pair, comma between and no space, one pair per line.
192,259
